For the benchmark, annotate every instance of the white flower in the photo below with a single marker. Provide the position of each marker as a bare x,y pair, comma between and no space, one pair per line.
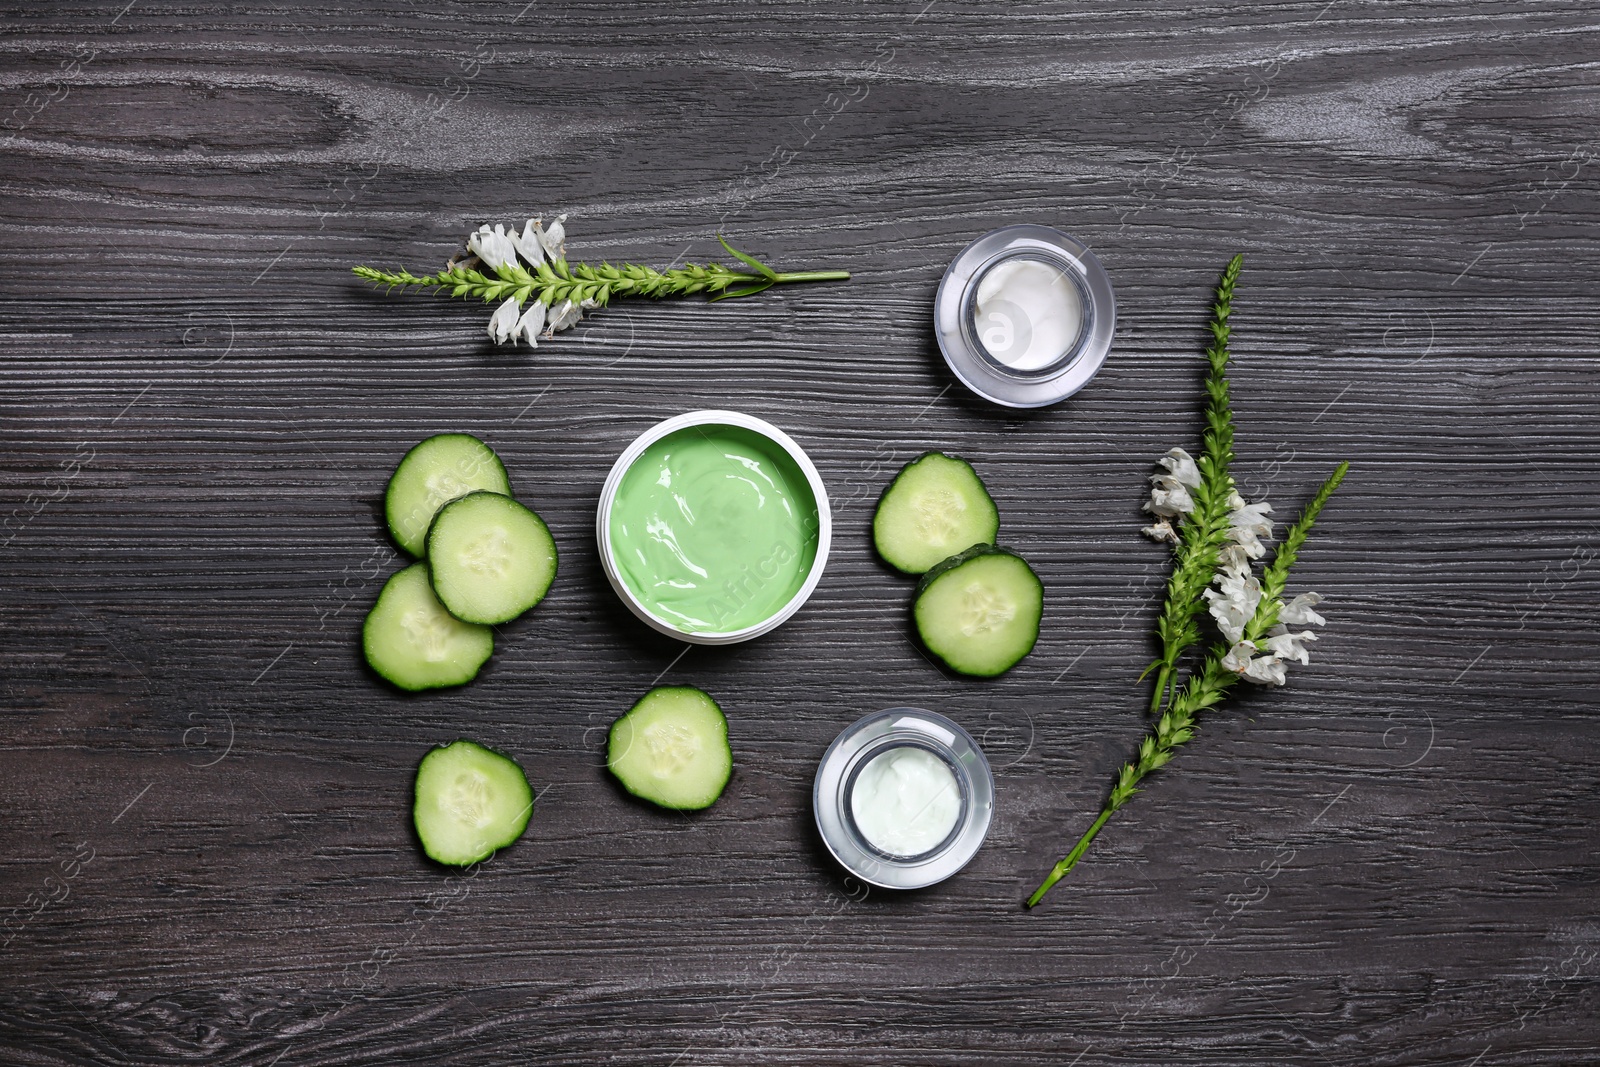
1234,561
494,246
530,324
554,239
527,243
1297,612
1161,531
1235,605
1265,670
1285,644
563,318
1180,466
1169,498
1239,656
503,323
1247,523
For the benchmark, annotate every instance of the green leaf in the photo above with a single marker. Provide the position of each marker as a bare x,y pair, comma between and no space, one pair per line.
751,290
749,261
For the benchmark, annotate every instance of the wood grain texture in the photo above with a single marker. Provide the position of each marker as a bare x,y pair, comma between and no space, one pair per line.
1391,861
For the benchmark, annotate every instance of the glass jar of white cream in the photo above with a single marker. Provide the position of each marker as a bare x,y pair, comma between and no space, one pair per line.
903,798
1025,315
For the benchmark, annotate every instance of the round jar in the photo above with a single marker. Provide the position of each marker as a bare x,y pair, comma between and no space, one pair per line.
1024,316
903,798
713,527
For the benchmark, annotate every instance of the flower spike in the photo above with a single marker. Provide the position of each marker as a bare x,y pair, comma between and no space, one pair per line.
530,268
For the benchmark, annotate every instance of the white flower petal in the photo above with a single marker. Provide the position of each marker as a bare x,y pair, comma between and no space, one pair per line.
1246,539
1265,670
553,239
1161,531
1239,656
1169,500
563,318
1254,516
530,324
1180,466
1229,618
1288,645
1297,612
1234,561
527,243
1234,605
1247,523
494,247
503,322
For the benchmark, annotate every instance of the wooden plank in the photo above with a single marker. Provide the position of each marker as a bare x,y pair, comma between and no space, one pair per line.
1391,861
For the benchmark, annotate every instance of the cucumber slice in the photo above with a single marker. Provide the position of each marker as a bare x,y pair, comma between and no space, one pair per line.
935,507
470,802
411,639
432,474
979,611
489,557
672,749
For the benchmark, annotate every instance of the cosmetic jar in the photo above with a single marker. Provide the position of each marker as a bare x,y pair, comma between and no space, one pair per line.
903,798
713,527
1024,316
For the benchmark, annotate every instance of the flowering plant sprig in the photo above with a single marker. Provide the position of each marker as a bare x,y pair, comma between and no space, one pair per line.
531,269
1216,537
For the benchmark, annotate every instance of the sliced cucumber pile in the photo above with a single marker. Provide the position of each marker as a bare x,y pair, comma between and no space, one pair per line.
977,607
431,475
411,639
489,557
470,801
672,749
979,611
935,507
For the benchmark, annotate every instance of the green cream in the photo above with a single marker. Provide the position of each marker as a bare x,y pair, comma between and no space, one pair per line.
714,528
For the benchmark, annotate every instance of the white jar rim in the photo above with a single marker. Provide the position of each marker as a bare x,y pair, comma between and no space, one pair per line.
713,417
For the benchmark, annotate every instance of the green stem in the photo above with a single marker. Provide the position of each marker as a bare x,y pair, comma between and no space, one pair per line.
1060,870
1163,683
810,276
1204,688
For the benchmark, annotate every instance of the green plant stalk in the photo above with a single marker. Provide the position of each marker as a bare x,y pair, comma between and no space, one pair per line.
553,283
1205,687
1202,536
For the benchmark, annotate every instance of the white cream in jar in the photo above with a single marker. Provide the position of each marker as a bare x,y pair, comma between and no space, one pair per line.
1028,313
905,801
903,798
1025,315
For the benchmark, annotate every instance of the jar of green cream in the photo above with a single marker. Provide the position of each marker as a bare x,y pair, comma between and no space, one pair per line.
714,527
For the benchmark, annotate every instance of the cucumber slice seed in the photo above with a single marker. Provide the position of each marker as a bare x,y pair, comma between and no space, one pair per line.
671,749
435,472
411,639
470,801
490,558
979,611
935,507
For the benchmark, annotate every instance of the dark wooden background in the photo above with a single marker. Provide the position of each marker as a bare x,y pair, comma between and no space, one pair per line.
1391,861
